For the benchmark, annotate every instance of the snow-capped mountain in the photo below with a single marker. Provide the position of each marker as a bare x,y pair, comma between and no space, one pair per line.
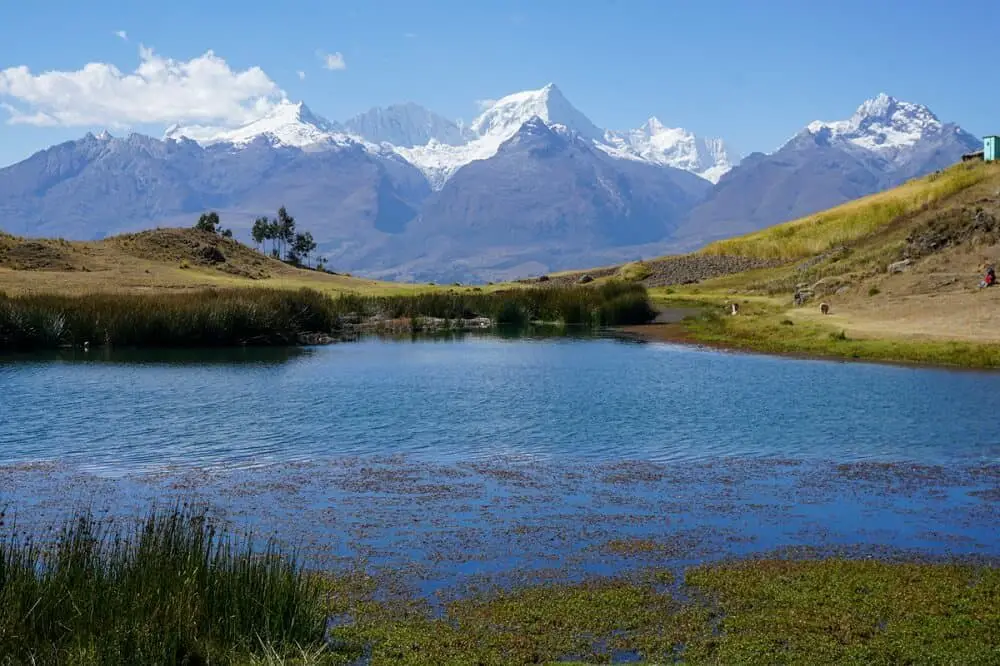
506,115
495,125
675,147
882,124
287,124
883,144
531,185
440,147
406,126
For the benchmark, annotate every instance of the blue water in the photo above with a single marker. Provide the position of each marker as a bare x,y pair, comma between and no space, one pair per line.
500,457
598,399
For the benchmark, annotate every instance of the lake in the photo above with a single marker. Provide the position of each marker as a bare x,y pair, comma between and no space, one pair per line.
481,454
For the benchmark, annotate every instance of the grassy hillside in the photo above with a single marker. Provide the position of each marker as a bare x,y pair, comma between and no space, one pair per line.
161,260
853,221
899,272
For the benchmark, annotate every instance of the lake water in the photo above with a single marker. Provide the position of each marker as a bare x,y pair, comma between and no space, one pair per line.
477,454
599,399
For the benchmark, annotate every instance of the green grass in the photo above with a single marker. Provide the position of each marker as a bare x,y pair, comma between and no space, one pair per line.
175,589
763,327
635,272
827,611
850,222
850,612
227,317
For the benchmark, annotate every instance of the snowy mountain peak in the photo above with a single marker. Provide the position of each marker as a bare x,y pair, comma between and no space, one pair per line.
878,106
673,147
406,125
508,114
881,124
287,124
654,126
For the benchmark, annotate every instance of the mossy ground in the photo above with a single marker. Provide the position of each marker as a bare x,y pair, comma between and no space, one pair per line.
831,611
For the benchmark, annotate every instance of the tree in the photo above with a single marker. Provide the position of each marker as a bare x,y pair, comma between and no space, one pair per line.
226,233
304,245
272,235
259,231
208,222
286,230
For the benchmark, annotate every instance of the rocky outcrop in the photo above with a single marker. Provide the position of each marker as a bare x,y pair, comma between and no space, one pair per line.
681,269
959,225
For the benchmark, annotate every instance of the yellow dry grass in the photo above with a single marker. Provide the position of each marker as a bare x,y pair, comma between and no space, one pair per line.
854,220
161,260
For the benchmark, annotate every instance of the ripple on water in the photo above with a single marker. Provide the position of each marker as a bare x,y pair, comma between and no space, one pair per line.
596,399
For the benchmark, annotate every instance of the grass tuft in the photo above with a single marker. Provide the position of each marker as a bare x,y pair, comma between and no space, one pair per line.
174,589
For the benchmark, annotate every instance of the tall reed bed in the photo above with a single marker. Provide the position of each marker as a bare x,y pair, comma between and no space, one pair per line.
610,304
209,318
230,317
174,589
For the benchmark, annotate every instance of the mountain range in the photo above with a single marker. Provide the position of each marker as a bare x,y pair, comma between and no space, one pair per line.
529,186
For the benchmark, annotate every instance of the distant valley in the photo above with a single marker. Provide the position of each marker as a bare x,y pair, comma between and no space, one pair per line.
530,186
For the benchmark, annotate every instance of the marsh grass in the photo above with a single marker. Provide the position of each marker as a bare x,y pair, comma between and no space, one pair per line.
846,224
837,611
209,318
229,317
174,589
765,611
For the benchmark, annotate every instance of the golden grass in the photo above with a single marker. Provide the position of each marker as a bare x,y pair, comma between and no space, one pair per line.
851,221
163,260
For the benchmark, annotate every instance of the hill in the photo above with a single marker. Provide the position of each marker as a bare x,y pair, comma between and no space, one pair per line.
171,259
899,271
530,186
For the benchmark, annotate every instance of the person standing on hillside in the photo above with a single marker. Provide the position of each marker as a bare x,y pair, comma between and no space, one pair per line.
990,279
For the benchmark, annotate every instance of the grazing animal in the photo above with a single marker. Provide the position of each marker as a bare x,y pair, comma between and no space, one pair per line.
734,308
824,308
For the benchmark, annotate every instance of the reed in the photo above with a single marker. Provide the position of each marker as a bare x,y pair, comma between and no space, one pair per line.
231,317
175,588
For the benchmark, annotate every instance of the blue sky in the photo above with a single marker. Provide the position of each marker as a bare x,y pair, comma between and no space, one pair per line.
750,72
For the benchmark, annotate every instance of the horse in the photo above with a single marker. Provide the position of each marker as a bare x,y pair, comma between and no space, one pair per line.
824,308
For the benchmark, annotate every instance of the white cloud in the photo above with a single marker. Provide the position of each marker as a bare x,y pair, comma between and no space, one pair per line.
302,75
484,104
410,35
333,61
122,35
160,91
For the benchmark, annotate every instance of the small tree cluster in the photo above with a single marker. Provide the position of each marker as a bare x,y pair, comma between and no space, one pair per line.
210,222
285,242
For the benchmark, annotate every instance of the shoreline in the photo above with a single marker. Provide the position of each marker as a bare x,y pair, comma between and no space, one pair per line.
488,545
758,337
